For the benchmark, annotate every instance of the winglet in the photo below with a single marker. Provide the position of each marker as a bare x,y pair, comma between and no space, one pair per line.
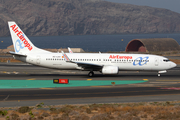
66,57
70,51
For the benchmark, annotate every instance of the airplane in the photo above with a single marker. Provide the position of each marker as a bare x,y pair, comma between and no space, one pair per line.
106,63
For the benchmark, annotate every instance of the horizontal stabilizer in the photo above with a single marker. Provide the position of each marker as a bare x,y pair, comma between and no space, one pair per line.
13,53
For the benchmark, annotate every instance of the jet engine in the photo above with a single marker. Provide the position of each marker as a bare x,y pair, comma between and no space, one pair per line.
110,70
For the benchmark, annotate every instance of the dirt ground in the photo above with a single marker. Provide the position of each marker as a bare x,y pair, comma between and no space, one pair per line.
127,111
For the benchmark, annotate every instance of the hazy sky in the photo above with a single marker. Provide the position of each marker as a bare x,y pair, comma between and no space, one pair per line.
173,5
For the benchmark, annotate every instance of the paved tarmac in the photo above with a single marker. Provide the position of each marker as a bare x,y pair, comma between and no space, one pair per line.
154,88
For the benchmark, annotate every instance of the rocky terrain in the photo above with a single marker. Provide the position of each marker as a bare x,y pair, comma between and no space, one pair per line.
127,111
81,17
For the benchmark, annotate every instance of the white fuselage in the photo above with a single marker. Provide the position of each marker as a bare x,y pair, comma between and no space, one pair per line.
122,61
105,63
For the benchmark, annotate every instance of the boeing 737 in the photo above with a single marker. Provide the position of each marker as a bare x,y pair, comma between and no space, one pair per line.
106,63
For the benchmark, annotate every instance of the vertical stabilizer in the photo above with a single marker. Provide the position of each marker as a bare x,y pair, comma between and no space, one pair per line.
21,42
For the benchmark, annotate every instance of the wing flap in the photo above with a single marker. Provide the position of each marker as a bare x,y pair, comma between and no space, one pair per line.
89,66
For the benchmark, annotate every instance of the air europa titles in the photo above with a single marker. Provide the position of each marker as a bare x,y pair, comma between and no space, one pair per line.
119,57
21,37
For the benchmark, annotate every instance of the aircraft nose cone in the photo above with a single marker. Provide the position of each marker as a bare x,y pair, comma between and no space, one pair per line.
173,65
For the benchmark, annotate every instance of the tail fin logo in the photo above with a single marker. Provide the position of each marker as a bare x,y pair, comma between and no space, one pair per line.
19,45
22,38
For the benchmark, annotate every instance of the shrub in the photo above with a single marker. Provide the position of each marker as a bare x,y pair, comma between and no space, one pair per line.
7,118
88,111
74,113
40,118
3,113
102,117
52,109
65,110
24,109
82,117
57,118
14,116
45,114
40,105
31,114
65,116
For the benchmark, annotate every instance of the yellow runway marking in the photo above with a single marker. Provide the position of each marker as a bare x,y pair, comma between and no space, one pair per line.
102,86
31,79
47,88
89,79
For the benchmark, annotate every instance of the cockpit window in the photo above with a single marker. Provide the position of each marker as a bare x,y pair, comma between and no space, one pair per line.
166,60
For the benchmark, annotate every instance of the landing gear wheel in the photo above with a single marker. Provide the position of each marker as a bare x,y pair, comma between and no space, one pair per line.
91,74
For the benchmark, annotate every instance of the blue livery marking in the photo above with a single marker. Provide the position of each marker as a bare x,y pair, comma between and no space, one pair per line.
140,61
19,45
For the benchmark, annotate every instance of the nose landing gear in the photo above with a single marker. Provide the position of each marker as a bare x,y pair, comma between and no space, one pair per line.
159,72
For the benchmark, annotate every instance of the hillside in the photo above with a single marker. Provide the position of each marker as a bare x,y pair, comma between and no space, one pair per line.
80,17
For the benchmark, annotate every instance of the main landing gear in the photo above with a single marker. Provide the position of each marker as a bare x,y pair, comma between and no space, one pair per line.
91,74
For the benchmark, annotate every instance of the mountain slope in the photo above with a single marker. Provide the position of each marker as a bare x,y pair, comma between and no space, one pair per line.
80,17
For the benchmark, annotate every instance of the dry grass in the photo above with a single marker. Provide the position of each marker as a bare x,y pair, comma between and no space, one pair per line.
177,61
130,111
8,59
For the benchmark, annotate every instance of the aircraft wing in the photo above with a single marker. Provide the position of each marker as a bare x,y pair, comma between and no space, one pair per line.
83,65
89,66
13,53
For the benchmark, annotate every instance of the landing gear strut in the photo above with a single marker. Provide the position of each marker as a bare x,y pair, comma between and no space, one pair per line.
91,74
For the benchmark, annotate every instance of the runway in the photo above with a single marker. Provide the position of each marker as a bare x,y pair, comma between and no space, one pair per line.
154,88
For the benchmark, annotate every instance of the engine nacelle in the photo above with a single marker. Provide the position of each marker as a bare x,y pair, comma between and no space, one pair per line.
110,70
